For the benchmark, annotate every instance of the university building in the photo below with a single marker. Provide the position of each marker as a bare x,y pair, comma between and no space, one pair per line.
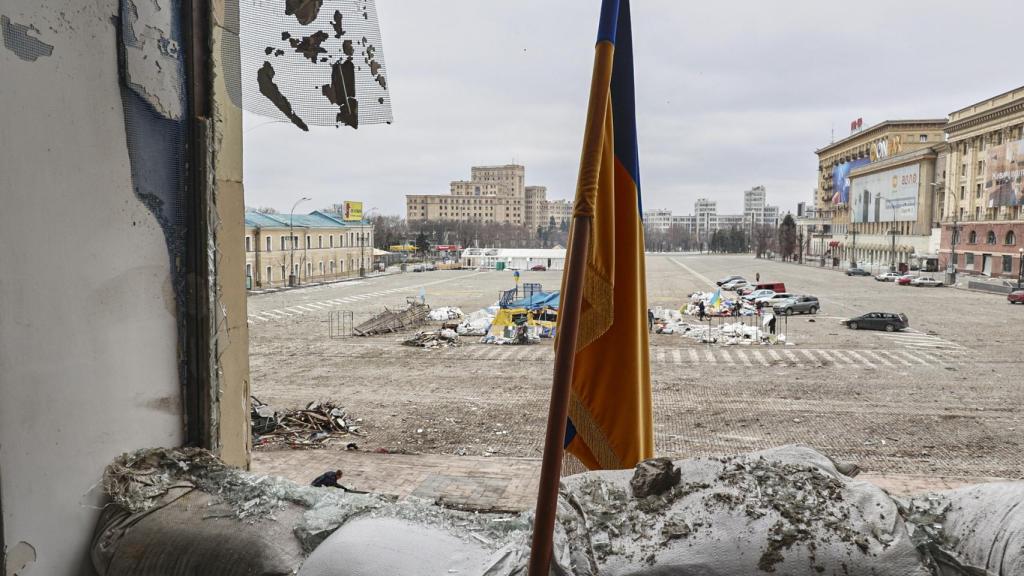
982,219
315,247
493,194
878,197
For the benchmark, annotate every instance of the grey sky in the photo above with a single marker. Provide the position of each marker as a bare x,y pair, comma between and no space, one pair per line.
729,95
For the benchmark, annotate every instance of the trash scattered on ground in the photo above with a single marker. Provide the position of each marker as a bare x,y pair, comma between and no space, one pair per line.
317,425
389,321
446,313
443,338
476,324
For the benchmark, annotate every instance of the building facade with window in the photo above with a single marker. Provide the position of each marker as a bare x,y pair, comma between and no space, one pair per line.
314,247
875,183
493,194
982,218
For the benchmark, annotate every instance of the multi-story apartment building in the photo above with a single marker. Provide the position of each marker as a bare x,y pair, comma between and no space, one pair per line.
311,247
875,191
493,194
560,210
756,210
536,202
983,188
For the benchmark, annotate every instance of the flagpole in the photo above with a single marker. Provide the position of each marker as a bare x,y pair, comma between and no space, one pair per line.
571,305
558,411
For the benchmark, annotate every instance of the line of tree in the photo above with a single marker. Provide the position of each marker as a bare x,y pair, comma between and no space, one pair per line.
393,230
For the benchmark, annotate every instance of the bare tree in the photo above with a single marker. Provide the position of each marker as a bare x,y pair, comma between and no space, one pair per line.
787,237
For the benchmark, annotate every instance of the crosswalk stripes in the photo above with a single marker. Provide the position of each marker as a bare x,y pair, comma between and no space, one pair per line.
790,356
879,358
660,357
743,358
775,355
726,356
809,355
863,361
709,356
677,356
760,357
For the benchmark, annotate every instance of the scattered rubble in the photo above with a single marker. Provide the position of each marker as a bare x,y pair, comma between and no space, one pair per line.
388,321
446,313
317,425
443,338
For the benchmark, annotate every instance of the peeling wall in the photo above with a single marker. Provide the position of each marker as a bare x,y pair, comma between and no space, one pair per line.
88,354
233,331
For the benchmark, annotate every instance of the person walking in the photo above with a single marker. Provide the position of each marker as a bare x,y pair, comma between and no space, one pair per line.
700,310
650,320
757,277
771,325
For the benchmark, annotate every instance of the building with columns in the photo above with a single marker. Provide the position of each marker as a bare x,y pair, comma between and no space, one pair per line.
981,216
876,185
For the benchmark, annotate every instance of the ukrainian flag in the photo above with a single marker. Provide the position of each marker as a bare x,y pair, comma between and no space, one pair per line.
610,423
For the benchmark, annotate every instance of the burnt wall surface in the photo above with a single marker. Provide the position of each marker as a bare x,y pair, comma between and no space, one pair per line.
92,183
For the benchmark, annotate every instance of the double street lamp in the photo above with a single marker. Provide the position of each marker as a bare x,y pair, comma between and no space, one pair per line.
892,255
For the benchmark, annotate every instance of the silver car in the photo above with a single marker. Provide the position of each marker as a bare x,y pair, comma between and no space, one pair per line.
797,305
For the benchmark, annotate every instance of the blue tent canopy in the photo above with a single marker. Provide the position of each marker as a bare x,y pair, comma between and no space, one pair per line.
538,300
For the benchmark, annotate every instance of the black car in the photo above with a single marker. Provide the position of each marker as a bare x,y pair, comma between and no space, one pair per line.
797,304
857,272
887,321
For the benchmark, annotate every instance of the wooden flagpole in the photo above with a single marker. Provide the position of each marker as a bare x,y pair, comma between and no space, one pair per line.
558,411
569,311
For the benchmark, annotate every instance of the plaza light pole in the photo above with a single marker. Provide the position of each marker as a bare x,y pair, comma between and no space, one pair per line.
892,253
954,237
291,242
1020,269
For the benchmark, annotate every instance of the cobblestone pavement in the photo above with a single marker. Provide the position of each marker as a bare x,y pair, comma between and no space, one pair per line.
943,399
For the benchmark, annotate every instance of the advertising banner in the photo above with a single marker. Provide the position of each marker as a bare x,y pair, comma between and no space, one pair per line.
841,179
1004,169
353,211
887,196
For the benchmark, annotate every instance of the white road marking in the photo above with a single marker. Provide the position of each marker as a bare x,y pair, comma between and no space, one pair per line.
660,356
693,356
810,356
677,357
861,359
692,271
710,356
914,358
743,357
792,357
726,357
760,357
775,355
878,357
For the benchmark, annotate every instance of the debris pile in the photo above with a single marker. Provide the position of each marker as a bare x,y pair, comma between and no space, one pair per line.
446,313
318,425
443,338
477,323
389,321
715,304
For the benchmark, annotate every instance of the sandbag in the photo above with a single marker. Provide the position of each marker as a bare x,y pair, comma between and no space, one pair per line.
972,531
190,532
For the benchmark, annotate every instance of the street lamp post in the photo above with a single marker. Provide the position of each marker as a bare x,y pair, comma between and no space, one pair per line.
1020,269
362,259
291,242
892,254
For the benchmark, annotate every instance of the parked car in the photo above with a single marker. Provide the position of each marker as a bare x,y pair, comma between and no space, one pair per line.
888,321
430,268
734,285
774,299
755,294
905,280
888,276
776,286
1015,297
728,279
799,304
419,268
857,272
926,281
538,268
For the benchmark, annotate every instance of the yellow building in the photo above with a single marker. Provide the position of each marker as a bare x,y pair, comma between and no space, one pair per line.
315,247
493,194
875,186
984,173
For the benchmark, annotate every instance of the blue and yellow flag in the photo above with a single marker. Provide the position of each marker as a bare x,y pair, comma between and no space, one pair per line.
610,423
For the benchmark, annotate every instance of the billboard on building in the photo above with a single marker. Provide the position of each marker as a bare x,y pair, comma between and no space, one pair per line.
1004,170
886,195
841,179
353,210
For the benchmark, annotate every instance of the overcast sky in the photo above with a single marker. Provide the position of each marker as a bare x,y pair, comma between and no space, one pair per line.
729,95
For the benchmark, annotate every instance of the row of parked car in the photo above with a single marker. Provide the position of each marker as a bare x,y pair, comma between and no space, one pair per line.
774,295
771,295
899,278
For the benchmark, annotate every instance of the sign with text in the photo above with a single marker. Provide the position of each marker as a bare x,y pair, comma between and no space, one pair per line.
886,196
1004,171
353,211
